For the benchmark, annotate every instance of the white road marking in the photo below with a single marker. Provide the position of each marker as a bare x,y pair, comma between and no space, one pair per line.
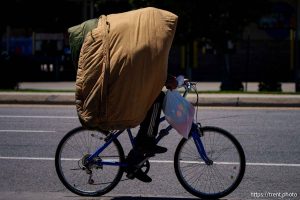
232,163
25,158
158,161
38,116
26,131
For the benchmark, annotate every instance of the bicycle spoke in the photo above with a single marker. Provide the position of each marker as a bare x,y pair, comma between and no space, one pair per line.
222,152
81,177
210,180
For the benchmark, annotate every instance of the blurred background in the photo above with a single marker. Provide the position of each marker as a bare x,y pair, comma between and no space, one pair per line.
228,41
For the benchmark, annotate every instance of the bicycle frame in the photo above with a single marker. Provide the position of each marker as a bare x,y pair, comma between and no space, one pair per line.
164,132
194,133
91,162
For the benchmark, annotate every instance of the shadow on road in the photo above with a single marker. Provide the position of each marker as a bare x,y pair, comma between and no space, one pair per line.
152,198
140,198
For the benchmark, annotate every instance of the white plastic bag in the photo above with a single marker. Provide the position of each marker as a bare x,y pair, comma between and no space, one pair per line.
179,112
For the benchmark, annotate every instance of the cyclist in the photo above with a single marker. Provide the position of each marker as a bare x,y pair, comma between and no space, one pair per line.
145,145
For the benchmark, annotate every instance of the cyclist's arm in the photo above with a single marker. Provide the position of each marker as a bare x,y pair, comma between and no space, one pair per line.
171,82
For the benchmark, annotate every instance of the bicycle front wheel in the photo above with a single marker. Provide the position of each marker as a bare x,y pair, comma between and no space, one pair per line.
214,180
70,162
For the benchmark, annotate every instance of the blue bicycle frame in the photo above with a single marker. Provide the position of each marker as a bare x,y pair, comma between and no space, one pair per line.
195,133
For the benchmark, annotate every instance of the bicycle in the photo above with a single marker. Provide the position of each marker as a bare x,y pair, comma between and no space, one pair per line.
209,164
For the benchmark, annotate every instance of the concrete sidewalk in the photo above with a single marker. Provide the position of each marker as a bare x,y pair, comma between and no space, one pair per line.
201,86
204,99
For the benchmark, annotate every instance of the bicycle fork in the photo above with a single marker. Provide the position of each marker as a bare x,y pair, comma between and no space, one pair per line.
196,135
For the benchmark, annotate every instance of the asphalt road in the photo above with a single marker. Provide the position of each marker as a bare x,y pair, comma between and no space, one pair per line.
30,134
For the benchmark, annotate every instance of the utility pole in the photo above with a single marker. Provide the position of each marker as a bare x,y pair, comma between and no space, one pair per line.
91,9
88,9
297,66
188,62
7,39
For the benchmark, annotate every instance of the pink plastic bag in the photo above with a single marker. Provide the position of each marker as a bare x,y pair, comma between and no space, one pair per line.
179,112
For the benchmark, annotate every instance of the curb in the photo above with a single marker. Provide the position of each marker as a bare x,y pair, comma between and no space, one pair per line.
203,99
37,98
246,100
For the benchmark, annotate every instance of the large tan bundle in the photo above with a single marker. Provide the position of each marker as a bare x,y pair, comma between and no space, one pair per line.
123,67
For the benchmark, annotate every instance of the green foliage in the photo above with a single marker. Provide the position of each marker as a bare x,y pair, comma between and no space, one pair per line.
212,20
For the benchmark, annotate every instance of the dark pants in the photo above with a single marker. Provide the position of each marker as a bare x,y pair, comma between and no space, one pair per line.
145,138
149,127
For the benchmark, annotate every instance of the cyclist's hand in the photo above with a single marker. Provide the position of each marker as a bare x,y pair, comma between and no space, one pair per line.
171,82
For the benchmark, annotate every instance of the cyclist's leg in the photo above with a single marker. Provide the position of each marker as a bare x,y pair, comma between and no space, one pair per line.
145,139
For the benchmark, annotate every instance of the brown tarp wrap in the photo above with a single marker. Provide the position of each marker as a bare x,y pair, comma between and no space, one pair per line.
123,67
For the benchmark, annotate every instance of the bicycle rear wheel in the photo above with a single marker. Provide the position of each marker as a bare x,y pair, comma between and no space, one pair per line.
221,177
70,158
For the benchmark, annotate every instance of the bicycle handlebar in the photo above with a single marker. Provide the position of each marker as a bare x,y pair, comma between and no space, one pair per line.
186,83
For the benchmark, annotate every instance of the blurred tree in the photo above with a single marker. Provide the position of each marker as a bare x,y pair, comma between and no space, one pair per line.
220,22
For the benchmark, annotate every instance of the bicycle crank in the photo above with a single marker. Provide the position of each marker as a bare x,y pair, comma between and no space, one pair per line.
145,167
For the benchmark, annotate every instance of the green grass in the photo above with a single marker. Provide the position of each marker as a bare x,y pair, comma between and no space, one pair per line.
192,92
248,92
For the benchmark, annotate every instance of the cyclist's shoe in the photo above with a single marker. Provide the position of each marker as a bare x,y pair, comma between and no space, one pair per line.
154,149
135,160
140,175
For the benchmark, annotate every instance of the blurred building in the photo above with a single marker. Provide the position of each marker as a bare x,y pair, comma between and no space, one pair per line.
34,34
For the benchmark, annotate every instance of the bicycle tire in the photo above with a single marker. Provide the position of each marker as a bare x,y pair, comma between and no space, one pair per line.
76,145
201,180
